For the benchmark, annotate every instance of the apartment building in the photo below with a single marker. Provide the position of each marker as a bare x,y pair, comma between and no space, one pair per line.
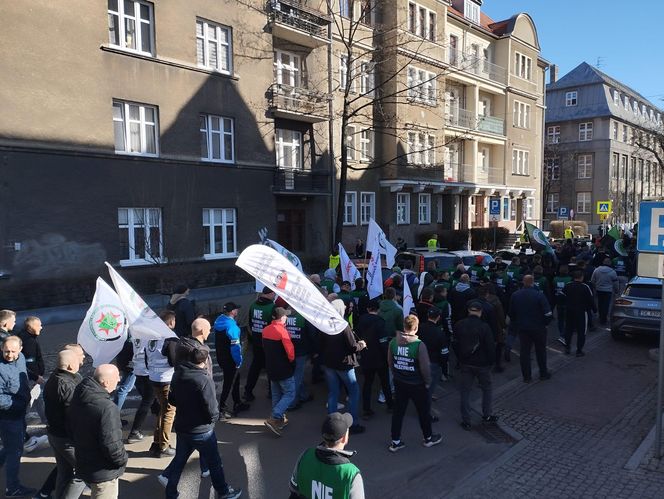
593,127
162,136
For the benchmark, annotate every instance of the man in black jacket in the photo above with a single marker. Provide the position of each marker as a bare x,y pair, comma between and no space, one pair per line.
58,393
34,361
100,454
184,309
192,393
476,350
431,333
579,302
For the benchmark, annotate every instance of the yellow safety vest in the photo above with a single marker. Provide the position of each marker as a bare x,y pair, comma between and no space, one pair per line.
432,244
335,260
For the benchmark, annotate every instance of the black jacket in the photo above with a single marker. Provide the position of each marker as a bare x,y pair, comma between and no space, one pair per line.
579,299
184,315
34,361
475,343
192,393
529,310
435,340
178,351
58,392
339,351
100,452
371,329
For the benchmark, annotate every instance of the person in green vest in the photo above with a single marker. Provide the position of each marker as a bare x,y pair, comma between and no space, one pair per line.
476,270
541,282
345,292
514,269
569,233
561,280
260,315
432,243
334,260
329,281
443,280
326,471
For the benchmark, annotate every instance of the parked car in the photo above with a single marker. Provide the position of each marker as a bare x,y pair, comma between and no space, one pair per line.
508,254
468,257
421,259
638,309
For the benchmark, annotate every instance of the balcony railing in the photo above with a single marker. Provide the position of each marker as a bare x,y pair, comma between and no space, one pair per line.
298,103
301,182
492,125
295,15
456,116
477,65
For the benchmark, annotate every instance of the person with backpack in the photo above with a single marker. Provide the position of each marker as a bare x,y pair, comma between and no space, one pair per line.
476,351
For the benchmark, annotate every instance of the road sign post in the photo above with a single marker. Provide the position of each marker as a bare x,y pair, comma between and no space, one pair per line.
650,239
494,216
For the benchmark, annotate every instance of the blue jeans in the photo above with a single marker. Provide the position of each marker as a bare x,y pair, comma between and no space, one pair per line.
124,387
11,432
334,379
206,445
301,392
283,395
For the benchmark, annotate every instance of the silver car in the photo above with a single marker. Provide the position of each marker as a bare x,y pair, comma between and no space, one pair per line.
638,309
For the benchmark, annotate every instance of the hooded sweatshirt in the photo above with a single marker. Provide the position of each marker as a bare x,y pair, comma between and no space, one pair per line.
184,313
605,279
413,368
392,314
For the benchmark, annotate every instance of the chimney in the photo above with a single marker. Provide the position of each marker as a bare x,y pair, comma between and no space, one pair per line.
553,73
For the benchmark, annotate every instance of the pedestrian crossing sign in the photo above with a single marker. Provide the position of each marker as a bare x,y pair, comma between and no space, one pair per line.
603,207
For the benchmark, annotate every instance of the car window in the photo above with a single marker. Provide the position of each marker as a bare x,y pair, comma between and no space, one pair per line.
641,291
401,259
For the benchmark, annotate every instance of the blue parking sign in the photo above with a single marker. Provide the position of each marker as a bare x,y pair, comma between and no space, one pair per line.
494,206
563,212
651,227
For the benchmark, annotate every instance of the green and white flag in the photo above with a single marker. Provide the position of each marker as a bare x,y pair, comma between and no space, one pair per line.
538,240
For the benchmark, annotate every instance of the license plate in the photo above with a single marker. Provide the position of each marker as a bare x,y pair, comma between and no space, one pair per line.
650,313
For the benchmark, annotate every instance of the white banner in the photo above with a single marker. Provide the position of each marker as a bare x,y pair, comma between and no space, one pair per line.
104,329
374,274
143,323
349,271
385,247
292,257
280,275
407,302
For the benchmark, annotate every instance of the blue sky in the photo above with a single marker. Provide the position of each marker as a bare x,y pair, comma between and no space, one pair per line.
628,37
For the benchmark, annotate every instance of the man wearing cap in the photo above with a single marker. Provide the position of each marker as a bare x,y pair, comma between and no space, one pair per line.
229,357
260,315
280,367
476,353
326,470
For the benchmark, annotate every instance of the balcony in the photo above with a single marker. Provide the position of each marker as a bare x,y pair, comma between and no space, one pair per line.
449,172
292,21
477,65
295,103
462,118
492,125
301,182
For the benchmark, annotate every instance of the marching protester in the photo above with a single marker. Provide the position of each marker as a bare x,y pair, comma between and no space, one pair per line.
34,360
300,332
260,315
160,373
431,333
94,424
7,323
605,283
144,388
326,470
183,308
580,302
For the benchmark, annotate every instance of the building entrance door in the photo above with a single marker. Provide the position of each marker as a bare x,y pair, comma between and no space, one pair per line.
290,229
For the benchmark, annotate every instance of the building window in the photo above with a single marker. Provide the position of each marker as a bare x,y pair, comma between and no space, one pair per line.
367,81
571,98
346,8
350,208
217,140
403,208
615,131
213,47
219,232
626,103
424,211
529,208
140,236
625,133
421,21
585,131
289,149
552,168
351,143
520,160
523,66
521,114
367,207
552,202
135,128
286,68
421,86
131,25
506,209
471,11
553,134
344,77
616,97
585,166
421,149
366,145
453,55
583,202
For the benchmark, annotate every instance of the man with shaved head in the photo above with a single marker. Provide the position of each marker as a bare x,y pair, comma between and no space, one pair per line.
100,454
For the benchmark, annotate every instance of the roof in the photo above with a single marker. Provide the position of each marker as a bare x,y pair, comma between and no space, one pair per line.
485,21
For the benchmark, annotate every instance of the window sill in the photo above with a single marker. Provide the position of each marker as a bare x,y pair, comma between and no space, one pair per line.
350,224
141,154
220,257
521,174
403,223
142,262
217,161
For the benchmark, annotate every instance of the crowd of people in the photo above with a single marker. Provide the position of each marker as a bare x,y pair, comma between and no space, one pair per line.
463,326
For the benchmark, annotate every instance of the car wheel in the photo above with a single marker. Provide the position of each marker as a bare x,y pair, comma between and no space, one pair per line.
617,335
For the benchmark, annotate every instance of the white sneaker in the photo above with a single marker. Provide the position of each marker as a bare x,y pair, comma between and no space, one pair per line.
381,398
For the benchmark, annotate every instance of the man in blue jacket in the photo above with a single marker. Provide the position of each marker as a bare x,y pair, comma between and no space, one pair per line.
229,358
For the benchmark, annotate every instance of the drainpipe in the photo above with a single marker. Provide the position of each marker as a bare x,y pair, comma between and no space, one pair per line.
330,131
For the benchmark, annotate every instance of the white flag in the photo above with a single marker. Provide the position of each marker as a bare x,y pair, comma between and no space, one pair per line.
374,273
280,275
349,271
292,257
143,323
385,247
408,302
104,329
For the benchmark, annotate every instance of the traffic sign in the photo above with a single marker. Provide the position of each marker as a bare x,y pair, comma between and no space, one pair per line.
603,207
603,216
494,207
651,227
563,213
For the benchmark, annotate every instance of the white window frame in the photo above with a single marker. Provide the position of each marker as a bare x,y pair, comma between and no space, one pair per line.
287,74
424,208
415,26
529,208
471,11
367,207
523,67
350,208
346,8
352,152
421,148
585,131
367,145
403,208
421,86
226,218
143,123
553,202
367,78
133,225
615,130
521,115
281,145
583,202
571,98
585,166
616,98
552,168
344,67
505,209
553,134
204,40
520,162
225,129
122,19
